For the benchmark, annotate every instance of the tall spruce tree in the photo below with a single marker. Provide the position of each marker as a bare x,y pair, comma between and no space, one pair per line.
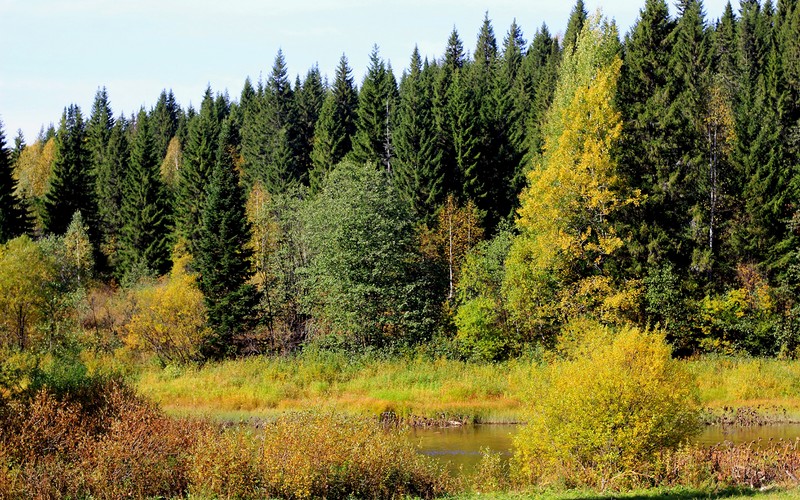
309,98
144,244
199,158
71,184
109,182
376,104
335,126
645,147
269,134
223,254
443,113
19,146
577,19
13,216
418,177
164,119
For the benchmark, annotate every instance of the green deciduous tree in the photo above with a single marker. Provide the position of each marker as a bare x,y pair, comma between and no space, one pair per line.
363,279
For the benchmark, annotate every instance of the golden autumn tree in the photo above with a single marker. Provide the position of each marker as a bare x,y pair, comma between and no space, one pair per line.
32,171
573,191
170,317
26,277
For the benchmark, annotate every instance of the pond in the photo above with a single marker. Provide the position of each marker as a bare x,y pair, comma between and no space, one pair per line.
461,446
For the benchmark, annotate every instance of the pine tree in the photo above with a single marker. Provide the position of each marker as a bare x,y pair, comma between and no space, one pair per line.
144,246
199,157
417,175
13,217
223,256
71,185
376,102
309,98
335,126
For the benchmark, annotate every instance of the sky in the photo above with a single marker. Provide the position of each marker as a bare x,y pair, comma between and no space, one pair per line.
57,52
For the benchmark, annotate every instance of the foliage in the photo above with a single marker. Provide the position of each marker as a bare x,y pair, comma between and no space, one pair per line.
169,319
565,218
606,410
485,330
33,171
279,254
362,275
26,275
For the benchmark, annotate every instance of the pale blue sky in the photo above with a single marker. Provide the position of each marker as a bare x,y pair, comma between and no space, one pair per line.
57,52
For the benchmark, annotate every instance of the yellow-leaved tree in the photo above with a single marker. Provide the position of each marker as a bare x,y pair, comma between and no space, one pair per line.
566,211
170,318
32,171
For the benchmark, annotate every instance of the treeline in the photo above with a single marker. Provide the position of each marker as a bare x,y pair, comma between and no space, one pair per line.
490,201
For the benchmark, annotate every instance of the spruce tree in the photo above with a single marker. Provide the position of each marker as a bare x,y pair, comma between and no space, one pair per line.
308,102
539,74
335,126
144,246
443,113
577,19
418,177
164,119
19,147
376,102
645,153
71,185
269,134
109,184
223,254
13,217
199,157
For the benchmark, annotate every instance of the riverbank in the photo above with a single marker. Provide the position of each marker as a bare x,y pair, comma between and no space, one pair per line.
759,390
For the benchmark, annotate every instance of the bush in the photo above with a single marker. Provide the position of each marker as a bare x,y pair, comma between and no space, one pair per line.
329,455
606,410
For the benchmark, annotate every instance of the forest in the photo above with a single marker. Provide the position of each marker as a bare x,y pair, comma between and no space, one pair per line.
500,203
651,180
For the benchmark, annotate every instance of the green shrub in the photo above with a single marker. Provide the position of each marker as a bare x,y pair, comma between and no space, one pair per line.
604,412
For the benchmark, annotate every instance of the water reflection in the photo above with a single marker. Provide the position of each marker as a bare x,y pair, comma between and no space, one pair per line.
460,447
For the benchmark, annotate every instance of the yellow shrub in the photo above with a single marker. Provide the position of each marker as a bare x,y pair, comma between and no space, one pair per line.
607,411
170,318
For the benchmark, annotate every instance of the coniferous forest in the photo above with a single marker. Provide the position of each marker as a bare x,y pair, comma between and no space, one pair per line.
594,233
478,201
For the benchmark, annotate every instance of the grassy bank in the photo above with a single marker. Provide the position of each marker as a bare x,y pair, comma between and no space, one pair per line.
266,386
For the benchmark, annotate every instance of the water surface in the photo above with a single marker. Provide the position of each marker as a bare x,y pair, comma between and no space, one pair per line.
460,447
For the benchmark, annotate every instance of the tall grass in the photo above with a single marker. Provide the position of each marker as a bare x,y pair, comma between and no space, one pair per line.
484,392
266,386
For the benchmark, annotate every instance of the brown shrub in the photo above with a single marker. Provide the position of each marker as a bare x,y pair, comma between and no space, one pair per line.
224,464
330,455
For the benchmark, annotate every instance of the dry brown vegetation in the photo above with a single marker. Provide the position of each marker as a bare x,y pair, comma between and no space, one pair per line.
108,443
